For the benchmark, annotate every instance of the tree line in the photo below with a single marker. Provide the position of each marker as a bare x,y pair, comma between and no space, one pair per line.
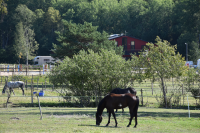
38,27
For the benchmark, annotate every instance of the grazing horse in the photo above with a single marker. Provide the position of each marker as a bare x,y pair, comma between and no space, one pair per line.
118,101
14,84
123,91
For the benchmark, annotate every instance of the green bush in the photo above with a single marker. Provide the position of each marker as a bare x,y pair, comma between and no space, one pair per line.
91,74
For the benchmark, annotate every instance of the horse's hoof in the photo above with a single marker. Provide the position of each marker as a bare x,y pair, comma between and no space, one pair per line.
134,126
128,125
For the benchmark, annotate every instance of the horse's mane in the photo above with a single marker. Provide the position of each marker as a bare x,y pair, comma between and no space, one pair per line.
101,103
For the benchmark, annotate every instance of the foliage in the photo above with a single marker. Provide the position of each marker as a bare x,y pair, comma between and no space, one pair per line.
3,9
76,37
161,61
25,43
192,77
91,74
144,19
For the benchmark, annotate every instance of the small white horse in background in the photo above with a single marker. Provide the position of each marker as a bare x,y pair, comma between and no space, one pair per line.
14,84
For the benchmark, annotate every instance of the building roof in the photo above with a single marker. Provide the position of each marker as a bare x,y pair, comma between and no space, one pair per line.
113,36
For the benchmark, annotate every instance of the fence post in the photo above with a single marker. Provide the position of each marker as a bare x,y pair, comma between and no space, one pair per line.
31,91
45,84
43,69
37,83
39,108
8,68
53,87
26,84
42,86
188,107
142,97
20,67
152,87
14,69
26,70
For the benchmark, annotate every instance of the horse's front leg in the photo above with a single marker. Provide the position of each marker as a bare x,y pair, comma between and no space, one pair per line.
108,118
113,113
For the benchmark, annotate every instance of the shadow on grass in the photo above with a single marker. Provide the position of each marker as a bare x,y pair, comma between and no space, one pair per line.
91,113
99,126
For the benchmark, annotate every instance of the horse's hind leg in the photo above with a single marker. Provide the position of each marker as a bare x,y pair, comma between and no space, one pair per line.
135,119
131,114
108,118
22,90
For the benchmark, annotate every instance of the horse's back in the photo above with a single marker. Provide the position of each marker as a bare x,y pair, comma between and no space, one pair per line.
125,100
15,84
123,91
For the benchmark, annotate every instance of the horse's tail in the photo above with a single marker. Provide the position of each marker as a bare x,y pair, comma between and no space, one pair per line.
137,104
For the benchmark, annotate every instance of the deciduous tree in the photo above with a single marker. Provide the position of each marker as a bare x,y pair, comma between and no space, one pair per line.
162,61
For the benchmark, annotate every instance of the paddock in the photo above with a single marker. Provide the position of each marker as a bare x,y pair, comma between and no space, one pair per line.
65,119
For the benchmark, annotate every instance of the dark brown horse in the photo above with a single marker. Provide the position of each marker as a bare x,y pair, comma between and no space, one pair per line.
123,91
118,101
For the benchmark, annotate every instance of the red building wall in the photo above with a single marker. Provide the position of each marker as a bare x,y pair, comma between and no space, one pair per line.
138,44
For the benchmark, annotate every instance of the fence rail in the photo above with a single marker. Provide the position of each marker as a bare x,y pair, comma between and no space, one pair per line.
84,101
6,70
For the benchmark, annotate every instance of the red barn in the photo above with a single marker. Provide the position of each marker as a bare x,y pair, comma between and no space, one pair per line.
130,44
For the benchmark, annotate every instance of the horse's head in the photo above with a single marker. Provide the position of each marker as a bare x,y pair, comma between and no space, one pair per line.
4,89
98,119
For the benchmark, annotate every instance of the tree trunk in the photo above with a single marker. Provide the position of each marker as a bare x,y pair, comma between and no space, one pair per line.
164,93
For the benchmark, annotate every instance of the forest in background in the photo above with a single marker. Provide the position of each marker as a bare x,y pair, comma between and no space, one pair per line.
34,22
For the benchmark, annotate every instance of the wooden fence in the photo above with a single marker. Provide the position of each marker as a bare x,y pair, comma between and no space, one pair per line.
7,70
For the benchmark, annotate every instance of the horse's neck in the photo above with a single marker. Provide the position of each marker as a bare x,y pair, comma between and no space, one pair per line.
101,107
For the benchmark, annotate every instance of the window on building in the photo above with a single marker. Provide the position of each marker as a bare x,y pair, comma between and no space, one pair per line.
36,62
132,45
46,59
124,43
116,43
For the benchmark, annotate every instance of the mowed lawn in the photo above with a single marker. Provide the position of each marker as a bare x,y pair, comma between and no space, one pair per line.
83,120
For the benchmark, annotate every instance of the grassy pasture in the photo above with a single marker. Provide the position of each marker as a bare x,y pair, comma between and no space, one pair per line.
22,116
83,120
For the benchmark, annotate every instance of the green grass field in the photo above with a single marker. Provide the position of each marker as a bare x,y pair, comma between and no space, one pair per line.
83,120
22,116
